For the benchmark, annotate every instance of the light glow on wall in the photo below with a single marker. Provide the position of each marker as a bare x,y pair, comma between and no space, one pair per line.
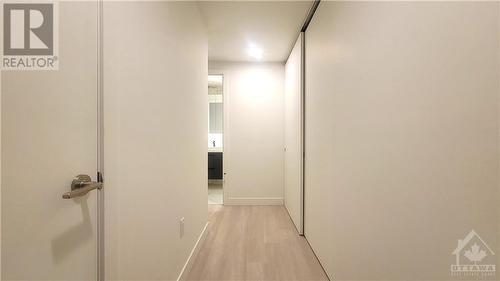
215,79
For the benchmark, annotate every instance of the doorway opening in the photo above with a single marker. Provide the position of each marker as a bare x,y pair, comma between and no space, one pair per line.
215,139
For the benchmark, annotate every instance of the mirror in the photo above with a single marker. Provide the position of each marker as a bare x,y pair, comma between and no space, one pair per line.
215,113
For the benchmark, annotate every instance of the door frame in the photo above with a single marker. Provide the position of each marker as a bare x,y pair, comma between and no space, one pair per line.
302,130
225,117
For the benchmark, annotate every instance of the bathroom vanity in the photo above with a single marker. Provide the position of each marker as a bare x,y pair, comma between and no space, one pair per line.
215,165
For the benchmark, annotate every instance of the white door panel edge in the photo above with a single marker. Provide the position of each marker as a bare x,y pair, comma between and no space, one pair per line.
293,134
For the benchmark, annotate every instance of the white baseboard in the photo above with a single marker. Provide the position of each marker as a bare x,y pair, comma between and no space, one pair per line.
194,252
253,201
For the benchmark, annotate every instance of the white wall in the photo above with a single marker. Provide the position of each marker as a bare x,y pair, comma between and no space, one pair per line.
401,135
293,134
253,132
155,72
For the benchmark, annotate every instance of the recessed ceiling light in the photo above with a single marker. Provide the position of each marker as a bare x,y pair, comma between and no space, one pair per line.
255,52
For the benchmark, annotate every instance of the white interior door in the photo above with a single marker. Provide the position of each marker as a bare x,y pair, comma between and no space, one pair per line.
49,135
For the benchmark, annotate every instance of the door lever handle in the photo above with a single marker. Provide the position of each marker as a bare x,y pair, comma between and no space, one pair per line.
80,186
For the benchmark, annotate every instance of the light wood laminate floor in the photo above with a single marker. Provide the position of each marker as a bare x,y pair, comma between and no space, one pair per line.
254,243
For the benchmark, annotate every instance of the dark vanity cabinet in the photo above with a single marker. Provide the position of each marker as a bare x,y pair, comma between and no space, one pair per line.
215,165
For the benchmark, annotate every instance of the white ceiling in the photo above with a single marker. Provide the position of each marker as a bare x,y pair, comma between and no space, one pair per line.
238,28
